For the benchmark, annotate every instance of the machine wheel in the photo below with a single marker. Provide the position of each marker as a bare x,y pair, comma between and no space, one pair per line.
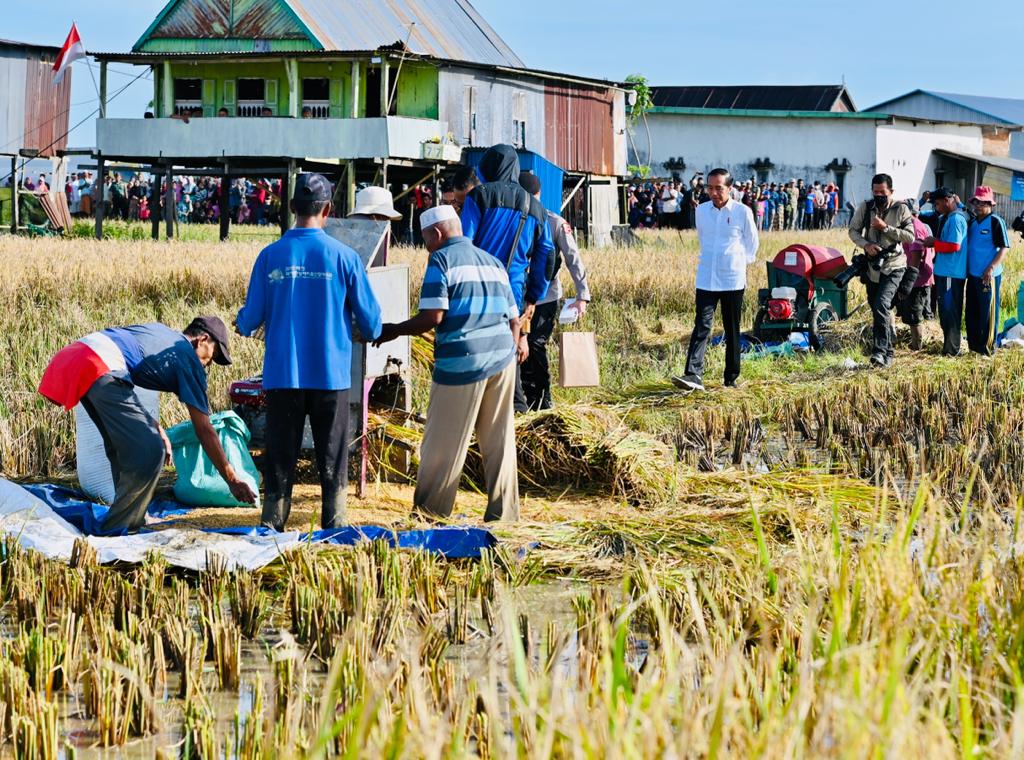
822,316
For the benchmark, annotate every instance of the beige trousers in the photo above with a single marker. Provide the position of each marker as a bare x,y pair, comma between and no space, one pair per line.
454,414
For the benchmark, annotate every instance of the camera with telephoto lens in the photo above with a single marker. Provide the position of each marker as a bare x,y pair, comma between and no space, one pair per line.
1017,225
859,266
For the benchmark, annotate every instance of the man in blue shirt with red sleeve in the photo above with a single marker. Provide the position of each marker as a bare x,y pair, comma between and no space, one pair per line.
306,289
987,244
950,266
101,371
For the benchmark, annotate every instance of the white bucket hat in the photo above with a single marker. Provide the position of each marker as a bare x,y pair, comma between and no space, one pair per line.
375,200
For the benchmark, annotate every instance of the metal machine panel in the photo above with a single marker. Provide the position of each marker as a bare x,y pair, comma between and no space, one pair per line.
364,236
391,286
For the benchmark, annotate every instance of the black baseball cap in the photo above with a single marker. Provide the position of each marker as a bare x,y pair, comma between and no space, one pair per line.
530,182
214,327
311,187
940,193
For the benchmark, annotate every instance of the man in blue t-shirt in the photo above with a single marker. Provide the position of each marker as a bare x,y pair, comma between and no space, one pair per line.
101,371
467,298
950,266
987,244
305,291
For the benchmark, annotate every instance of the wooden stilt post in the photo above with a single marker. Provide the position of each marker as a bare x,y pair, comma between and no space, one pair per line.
170,207
101,186
154,202
15,183
224,203
287,222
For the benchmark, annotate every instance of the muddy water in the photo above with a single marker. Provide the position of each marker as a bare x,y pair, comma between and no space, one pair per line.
543,604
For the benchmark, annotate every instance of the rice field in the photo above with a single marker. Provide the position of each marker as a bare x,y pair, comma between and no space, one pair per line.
823,563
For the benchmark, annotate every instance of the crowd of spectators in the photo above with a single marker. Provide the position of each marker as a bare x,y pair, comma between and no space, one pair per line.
793,205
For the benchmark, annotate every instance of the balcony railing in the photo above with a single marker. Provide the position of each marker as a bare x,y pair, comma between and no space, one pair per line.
321,109
249,108
185,107
391,137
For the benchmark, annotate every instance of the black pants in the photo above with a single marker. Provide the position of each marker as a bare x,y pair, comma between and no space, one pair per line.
950,294
132,442
981,314
536,373
286,419
881,295
707,303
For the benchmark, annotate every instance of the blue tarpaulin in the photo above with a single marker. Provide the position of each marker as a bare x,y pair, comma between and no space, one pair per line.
449,542
551,176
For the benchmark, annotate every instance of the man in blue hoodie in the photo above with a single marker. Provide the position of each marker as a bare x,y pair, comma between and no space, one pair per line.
503,219
306,289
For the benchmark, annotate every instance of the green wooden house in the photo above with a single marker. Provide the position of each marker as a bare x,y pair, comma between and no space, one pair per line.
382,91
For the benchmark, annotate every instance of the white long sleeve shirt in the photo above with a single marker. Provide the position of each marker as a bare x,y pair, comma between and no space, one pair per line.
728,245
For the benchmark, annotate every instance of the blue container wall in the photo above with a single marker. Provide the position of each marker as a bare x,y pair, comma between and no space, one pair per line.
551,177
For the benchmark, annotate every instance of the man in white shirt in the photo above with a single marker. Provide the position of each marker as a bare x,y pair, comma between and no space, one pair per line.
728,245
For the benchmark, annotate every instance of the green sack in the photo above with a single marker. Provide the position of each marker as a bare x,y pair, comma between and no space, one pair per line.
199,483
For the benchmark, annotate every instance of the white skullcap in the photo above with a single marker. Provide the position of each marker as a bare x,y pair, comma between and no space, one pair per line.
436,215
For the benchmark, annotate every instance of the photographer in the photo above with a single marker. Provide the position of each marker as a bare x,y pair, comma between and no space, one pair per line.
881,226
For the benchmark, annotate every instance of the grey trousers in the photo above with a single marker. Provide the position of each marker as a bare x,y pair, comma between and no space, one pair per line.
131,439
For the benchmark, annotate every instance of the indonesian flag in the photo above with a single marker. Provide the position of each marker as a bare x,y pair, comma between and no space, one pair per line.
73,50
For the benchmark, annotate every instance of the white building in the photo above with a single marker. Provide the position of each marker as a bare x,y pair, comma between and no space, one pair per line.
827,141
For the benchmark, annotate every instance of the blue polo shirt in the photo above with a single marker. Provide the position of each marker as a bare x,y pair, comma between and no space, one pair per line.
473,341
984,239
161,359
306,289
954,233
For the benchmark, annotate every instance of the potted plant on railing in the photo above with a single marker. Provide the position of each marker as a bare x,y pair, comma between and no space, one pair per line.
442,149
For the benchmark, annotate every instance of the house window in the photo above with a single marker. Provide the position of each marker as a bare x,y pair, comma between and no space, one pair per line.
316,96
519,120
252,97
188,96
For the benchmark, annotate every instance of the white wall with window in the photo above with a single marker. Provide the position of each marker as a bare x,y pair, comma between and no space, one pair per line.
483,109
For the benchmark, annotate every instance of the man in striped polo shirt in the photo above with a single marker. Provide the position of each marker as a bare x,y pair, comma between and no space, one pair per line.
467,298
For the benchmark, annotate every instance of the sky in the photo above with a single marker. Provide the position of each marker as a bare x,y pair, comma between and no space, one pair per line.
683,43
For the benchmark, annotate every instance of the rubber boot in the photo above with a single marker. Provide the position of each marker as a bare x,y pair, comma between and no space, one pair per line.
916,338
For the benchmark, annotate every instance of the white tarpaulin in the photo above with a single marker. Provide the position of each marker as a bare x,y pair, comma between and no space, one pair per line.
36,526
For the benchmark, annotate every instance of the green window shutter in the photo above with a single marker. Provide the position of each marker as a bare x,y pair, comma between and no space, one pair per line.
270,95
229,92
337,108
209,97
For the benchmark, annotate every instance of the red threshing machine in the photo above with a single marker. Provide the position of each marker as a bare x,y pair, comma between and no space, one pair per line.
801,296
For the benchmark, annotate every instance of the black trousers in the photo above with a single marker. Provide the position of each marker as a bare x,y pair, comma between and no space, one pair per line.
950,293
535,371
707,303
286,419
881,295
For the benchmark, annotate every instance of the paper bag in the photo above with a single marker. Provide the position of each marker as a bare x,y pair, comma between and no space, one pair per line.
577,361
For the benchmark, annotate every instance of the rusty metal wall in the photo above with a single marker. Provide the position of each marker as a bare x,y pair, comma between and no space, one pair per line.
579,128
46,107
206,19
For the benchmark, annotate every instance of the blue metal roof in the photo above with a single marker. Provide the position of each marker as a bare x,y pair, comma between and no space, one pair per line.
450,29
1008,111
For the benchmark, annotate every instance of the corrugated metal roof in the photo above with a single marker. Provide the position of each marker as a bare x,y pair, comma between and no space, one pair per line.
1010,164
449,29
28,46
832,97
1000,110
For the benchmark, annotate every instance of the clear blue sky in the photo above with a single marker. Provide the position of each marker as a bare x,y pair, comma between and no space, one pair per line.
685,42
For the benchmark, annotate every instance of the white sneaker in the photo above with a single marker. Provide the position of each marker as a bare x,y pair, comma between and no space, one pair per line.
688,383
